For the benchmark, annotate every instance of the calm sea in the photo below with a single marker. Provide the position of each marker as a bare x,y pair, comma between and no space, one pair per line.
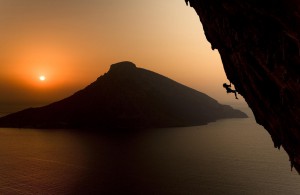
234,156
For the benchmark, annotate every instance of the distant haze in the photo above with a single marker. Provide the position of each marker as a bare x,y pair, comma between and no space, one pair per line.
72,42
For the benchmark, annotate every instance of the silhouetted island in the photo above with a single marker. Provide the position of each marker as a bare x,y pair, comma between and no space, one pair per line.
126,97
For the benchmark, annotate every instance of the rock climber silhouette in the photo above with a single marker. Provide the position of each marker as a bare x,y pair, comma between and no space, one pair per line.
229,90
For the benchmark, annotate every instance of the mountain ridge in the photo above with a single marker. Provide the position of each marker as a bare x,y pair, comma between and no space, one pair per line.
126,97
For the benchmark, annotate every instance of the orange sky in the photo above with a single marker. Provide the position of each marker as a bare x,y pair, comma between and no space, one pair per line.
72,42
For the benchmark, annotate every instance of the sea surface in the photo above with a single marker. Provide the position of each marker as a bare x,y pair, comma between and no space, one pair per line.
234,156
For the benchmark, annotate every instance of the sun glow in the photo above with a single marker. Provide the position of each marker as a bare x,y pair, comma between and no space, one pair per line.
42,78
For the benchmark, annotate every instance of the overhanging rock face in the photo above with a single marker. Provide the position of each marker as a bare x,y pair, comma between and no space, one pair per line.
259,43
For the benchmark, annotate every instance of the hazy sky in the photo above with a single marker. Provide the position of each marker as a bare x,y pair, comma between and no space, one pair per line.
72,42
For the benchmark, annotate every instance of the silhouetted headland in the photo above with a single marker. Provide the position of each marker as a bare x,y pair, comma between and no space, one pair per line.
126,97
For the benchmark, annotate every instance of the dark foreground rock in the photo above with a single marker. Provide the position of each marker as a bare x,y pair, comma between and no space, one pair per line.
126,97
259,43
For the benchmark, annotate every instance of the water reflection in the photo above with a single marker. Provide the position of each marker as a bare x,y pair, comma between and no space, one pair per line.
229,156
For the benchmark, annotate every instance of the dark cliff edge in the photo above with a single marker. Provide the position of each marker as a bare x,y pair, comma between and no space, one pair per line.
259,43
126,97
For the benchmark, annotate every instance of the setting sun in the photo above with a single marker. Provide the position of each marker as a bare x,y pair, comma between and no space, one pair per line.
42,78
